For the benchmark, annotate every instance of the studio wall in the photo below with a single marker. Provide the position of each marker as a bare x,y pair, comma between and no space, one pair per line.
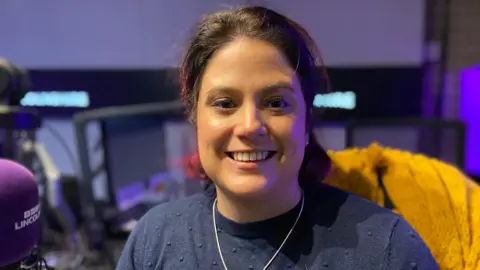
151,34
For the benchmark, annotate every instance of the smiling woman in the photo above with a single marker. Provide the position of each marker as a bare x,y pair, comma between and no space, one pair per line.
248,81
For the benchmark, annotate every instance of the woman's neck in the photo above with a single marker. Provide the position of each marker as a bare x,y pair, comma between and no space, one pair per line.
266,206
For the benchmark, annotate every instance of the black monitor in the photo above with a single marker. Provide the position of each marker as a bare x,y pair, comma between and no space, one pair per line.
441,139
142,158
138,149
62,93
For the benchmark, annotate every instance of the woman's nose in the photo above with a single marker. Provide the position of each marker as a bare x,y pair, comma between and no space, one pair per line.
251,123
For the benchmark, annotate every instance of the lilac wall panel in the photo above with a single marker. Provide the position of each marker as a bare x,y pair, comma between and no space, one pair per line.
151,33
362,33
105,34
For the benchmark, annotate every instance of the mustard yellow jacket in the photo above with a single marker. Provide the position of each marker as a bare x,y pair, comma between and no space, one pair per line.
437,199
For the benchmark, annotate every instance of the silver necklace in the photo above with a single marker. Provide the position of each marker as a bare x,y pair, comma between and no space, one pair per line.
276,252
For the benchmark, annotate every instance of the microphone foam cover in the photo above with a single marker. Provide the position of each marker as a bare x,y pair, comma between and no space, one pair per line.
19,212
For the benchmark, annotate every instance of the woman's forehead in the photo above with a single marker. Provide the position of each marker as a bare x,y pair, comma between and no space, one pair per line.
248,64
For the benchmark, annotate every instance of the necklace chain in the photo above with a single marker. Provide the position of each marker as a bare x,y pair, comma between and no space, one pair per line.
276,252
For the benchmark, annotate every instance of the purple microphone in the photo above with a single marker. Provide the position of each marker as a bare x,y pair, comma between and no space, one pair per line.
19,213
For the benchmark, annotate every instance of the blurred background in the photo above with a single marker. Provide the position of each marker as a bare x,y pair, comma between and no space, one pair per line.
403,73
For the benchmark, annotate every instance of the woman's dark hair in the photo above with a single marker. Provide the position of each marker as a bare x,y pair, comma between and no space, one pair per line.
220,28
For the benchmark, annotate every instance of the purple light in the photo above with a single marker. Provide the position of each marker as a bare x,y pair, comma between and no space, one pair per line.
470,114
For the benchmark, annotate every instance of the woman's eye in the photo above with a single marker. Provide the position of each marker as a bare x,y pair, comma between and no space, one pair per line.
224,104
277,103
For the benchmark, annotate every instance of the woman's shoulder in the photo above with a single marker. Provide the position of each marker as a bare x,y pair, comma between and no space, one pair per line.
373,231
166,218
177,211
346,203
162,225
352,215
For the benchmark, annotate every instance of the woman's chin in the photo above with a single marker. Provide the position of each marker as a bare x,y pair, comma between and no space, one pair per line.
248,187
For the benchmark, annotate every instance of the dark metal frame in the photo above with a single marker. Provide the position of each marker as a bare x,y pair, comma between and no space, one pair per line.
436,124
106,164
93,211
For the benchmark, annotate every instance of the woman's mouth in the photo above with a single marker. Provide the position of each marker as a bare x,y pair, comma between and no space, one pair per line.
251,156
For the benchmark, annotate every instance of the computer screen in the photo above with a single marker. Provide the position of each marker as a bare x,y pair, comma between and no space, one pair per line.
61,93
143,154
445,143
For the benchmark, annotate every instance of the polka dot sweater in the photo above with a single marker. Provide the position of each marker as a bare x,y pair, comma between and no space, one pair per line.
337,230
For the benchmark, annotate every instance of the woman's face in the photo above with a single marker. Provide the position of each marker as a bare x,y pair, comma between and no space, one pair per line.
251,120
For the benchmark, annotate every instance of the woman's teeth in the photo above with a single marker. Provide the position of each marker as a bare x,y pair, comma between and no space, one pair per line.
249,156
